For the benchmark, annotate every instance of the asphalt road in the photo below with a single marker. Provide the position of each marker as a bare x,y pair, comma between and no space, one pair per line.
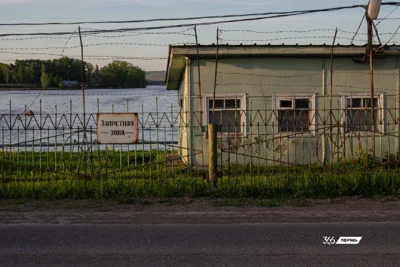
199,245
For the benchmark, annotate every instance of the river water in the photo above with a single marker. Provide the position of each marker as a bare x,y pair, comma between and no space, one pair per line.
59,112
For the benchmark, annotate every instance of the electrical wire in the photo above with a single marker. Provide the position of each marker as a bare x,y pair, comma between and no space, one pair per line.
387,16
183,18
62,52
89,45
208,23
358,30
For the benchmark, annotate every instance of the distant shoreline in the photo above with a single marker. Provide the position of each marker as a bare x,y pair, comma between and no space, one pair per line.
73,89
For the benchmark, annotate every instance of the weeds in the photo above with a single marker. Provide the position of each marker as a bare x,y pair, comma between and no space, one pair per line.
378,184
116,176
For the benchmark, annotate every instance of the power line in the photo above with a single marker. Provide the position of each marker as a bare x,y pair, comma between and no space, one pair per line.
387,15
359,27
89,45
282,15
180,19
98,35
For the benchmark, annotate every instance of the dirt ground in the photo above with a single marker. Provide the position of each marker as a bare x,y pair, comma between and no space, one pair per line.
199,211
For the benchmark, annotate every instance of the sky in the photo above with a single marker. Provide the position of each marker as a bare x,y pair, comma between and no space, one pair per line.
156,45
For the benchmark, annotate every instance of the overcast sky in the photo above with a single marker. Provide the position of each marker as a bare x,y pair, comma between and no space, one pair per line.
89,10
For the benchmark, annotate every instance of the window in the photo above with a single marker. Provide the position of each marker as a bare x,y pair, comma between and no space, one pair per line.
294,113
228,112
358,113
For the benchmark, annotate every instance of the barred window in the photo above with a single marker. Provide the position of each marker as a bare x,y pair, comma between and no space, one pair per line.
358,112
294,113
228,113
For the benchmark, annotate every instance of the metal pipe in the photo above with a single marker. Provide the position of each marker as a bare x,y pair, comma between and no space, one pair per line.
331,100
371,66
83,81
216,75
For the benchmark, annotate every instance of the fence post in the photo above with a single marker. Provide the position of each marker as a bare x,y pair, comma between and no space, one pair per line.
212,154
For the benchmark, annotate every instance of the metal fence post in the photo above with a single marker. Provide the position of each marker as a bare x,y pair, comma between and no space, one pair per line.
212,154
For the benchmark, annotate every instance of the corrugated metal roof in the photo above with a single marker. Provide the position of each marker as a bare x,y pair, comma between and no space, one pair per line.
177,54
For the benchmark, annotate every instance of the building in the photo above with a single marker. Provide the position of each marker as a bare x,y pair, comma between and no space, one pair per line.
273,102
70,83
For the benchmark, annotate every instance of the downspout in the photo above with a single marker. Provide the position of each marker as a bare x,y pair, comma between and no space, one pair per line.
397,107
188,115
324,92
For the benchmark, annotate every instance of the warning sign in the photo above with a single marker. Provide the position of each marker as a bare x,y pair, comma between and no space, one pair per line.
117,128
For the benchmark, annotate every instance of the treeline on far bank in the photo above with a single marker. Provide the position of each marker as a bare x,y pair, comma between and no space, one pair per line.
67,73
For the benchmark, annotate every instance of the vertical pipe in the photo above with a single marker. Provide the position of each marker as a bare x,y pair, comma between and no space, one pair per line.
10,162
48,153
143,169
150,150
26,150
2,154
62,153
200,94
40,142
371,66
331,99
172,134
83,81
56,143
18,159
216,76
229,153
33,157
212,154
128,157
158,140
113,152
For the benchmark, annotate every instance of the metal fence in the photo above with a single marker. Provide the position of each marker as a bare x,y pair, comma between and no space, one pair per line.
250,143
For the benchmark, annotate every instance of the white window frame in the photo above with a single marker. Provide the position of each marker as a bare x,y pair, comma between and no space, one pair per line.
277,97
243,107
380,115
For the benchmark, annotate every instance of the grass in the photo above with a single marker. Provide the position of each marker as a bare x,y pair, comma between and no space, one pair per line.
128,191
41,166
130,177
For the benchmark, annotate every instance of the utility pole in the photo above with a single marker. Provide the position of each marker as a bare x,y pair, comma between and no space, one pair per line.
372,12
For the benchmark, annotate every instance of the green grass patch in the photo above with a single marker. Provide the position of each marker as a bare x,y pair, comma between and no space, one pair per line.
379,184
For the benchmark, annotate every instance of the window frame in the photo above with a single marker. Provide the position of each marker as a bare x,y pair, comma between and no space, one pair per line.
224,96
380,115
277,97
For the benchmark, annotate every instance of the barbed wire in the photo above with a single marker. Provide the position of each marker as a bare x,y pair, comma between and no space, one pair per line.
289,38
183,32
300,31
309,74
297,85
97,44
269,76
99,35
88,56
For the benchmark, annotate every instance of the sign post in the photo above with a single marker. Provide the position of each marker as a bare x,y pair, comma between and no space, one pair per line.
117,128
